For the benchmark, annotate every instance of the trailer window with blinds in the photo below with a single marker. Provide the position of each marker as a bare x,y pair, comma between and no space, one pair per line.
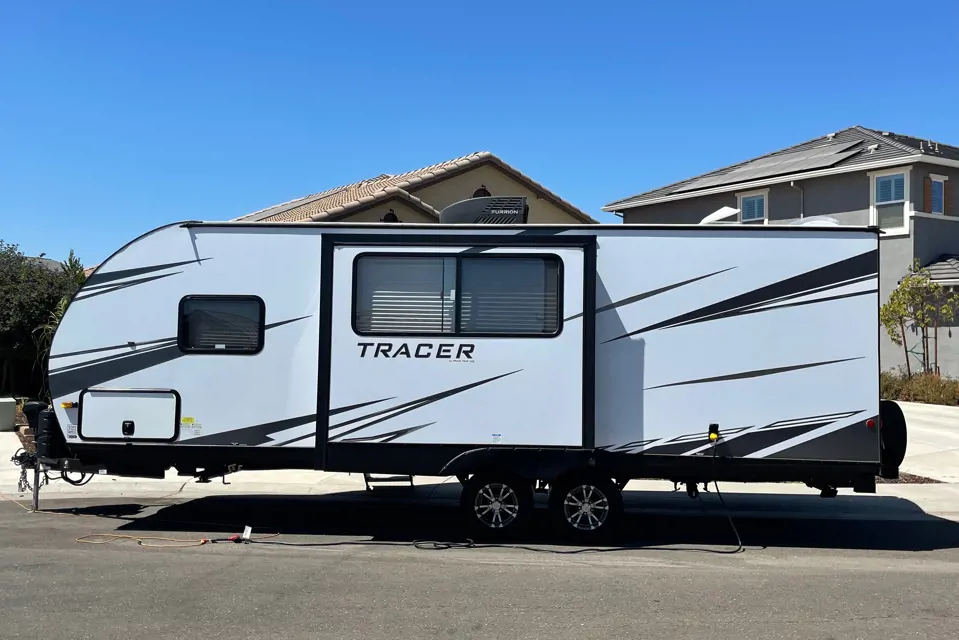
221,324
493,295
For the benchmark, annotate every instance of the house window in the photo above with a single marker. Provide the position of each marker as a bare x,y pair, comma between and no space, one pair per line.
752,206
938,196
498,295
889,199
221,324
891,188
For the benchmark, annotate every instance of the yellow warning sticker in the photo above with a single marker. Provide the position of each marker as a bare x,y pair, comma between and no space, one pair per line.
186,420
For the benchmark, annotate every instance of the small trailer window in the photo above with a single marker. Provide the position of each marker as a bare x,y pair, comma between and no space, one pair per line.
221,324
501,295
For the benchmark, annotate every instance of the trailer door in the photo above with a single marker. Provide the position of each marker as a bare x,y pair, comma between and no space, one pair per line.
435,344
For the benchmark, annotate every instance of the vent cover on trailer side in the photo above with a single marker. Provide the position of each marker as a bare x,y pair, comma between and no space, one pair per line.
490,210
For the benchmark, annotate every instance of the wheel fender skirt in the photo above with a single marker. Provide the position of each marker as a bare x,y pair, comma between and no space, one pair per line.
544,464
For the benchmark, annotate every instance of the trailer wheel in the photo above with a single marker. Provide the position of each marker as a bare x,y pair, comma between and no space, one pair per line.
497,504
586,507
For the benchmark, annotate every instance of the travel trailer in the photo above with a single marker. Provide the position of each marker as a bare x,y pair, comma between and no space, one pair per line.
515,357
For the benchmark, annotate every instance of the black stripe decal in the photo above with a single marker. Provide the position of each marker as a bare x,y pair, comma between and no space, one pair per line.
351,407
852,443
753,374
676,448
112,347
110,285
828,287
761,308
632,445
400,409
756,440
83,295
89,374
649,294
98,278
838,272
274,325
254,435
68,382
116,356
824,418
413,405
389,436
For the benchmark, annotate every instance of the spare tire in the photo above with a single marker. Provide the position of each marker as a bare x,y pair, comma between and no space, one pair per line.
892,438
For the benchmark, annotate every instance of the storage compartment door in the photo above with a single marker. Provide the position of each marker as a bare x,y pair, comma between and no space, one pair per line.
131,415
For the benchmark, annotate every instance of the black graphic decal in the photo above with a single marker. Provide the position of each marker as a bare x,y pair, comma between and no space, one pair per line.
833,275
753,374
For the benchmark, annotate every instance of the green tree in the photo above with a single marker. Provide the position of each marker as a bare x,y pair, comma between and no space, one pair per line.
31,293
917,306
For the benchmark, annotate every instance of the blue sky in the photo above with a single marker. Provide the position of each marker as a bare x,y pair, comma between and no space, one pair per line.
117,117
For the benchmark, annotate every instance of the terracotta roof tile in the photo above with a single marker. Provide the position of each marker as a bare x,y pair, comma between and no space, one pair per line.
336,202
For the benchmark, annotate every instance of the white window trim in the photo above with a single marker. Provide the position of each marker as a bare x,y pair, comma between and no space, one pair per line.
935,177
746,194
907,208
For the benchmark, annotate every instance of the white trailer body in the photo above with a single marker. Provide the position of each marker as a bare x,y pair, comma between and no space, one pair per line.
425,349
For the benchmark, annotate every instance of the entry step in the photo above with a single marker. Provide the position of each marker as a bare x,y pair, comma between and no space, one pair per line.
371,478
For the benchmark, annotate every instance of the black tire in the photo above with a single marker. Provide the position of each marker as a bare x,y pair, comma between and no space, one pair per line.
892,431
496,504
596,523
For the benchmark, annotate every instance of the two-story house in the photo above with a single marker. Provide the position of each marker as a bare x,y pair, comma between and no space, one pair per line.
858,176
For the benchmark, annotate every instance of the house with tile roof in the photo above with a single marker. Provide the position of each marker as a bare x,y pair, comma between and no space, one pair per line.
418,196
902,184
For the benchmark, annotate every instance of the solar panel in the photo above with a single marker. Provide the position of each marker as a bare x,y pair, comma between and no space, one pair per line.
780,164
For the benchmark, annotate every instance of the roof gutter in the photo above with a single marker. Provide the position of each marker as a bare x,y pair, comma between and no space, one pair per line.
743,186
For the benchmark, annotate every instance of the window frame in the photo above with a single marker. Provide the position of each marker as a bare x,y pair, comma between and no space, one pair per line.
907,207
891,176
457,258
934,178
181,324
762,193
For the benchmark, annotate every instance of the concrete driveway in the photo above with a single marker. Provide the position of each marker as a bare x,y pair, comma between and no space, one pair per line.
932,448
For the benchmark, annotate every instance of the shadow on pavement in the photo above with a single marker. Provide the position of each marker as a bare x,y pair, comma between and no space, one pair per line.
653,519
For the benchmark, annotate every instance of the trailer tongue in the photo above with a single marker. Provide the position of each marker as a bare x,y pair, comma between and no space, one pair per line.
516,357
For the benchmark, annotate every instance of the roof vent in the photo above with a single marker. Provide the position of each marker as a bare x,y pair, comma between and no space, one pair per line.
885,133
491,210
871,148
830,136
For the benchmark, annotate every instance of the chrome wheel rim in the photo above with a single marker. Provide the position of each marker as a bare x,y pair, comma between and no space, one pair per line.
496,505
586,507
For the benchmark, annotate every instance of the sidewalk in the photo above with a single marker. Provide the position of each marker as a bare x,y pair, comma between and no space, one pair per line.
932,445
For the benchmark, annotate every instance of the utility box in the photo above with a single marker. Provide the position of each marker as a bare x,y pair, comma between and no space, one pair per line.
8,414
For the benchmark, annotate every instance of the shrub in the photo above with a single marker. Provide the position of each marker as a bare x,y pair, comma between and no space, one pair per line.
922,387
891,385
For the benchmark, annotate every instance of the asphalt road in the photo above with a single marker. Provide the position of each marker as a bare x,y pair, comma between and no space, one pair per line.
677,578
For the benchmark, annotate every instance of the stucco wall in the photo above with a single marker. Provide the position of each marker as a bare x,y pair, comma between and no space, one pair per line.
498,183
844,197
402,210
689,211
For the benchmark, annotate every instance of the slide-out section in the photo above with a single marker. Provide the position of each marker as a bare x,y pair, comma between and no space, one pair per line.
457,344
